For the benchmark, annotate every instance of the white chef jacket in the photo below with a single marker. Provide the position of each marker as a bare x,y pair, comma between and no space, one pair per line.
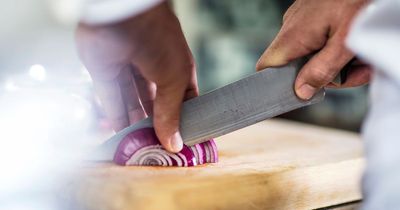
109,11
375,37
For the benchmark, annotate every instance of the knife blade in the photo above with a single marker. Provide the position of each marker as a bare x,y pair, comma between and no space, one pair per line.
260,96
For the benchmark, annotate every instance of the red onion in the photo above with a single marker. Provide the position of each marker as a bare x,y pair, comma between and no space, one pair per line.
142,147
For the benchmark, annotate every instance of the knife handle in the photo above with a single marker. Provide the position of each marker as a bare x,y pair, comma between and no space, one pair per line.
341,78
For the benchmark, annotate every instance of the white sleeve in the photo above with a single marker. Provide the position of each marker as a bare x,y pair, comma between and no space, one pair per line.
375,37
109,11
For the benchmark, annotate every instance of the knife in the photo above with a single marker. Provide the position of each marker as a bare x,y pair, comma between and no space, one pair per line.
260,96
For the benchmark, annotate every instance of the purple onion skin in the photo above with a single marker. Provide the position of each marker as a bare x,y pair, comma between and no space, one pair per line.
132,142
191,159
147,137
214,151
203,148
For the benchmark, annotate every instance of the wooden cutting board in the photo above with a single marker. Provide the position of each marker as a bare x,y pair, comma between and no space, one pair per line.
275,164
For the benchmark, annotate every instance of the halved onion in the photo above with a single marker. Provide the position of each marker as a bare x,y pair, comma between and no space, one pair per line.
142,147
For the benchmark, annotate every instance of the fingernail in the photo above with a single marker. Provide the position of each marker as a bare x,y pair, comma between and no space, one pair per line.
176,142
306,91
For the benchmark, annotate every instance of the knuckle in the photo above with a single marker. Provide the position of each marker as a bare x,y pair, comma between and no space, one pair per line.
320,76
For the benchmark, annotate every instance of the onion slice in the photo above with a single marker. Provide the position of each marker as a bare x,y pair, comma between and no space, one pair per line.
142,148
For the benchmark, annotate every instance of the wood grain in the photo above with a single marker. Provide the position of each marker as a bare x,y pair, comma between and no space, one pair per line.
274,164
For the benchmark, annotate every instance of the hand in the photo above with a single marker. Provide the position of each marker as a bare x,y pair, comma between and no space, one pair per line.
140,67
315,26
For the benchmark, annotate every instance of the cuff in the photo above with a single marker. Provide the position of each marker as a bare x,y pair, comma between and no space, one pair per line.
97,12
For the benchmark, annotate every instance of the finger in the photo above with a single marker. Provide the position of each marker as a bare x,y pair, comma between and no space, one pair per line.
321,69
146,91
130,95
171,91
167,106
293,41
168,102
112,102
357,75
164,58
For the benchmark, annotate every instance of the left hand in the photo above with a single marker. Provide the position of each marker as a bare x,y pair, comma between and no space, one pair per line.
311,26
141,67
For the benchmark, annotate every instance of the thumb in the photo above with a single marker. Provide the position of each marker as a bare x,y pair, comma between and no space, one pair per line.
321,69
166,116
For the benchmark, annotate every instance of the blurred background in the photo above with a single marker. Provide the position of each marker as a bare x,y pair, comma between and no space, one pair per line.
48,107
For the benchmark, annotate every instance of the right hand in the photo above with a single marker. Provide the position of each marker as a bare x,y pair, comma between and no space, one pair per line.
140,67
321,26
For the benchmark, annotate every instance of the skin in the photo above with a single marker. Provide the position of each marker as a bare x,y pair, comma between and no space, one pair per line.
320,27
141,67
